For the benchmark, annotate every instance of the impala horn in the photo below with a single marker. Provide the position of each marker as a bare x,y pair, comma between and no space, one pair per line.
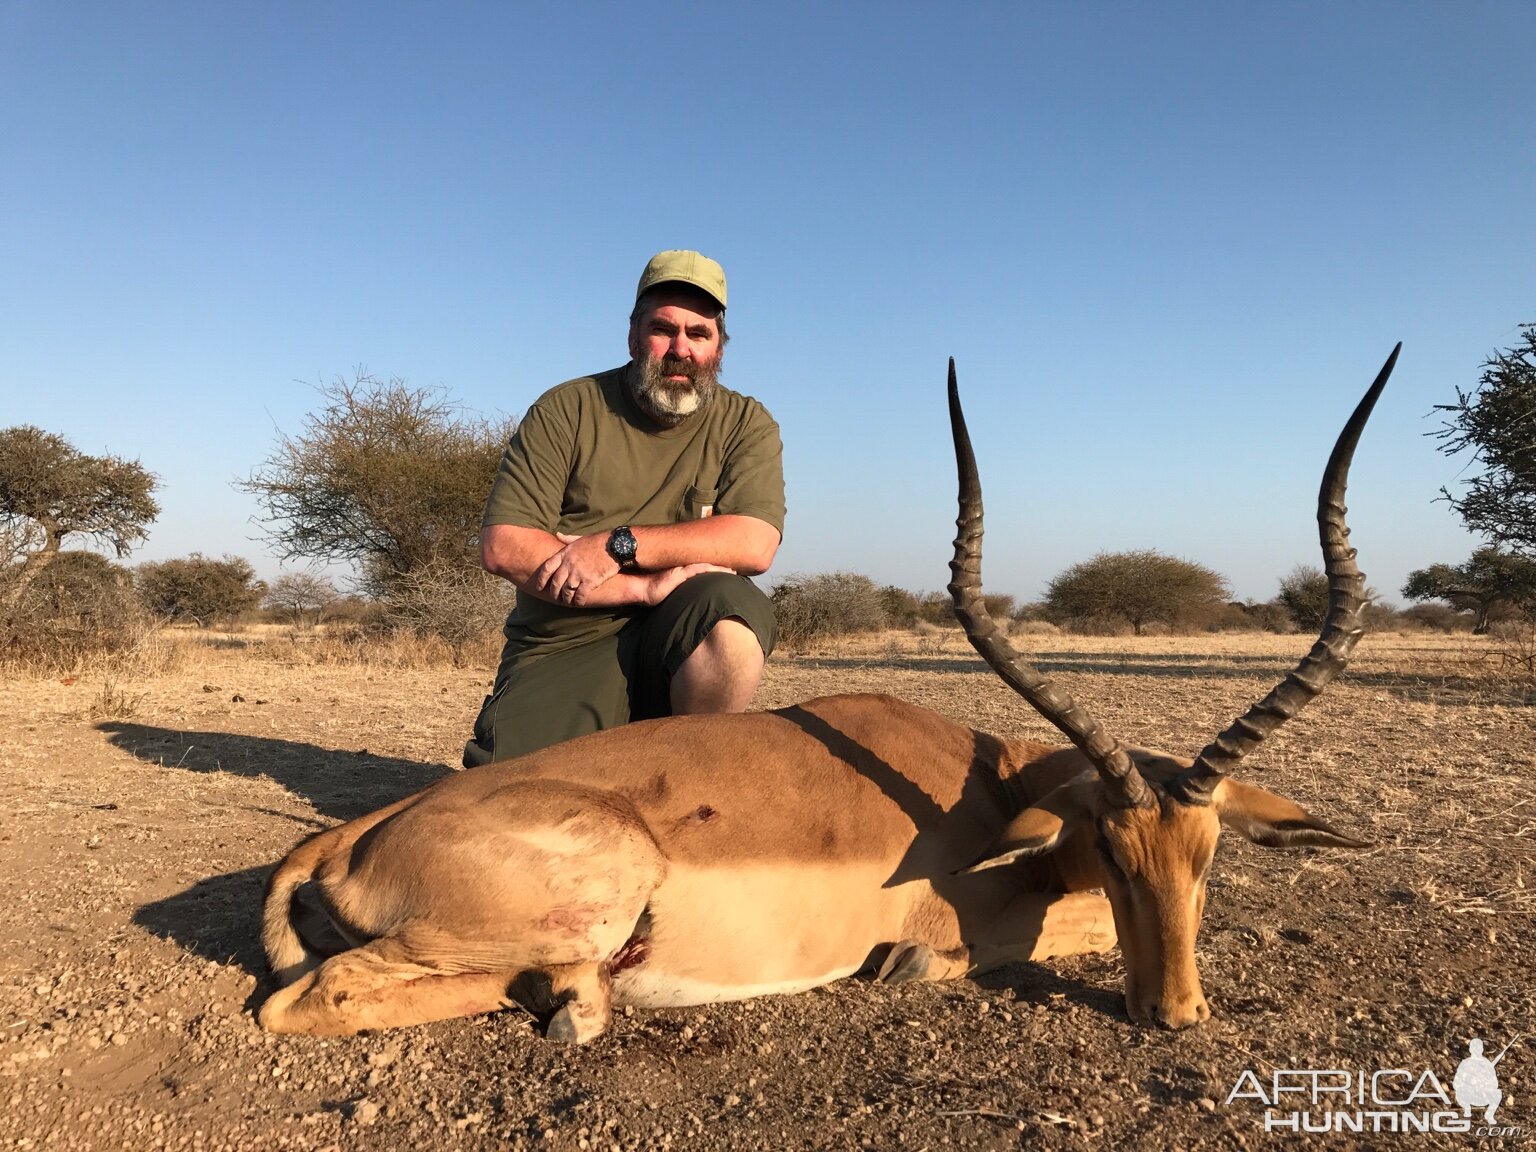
1342,627
1124,784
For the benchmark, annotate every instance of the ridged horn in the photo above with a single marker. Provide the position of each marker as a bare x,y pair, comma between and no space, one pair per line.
1342,626
1124,783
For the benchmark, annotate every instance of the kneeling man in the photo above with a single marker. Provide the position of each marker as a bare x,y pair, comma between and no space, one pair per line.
629,510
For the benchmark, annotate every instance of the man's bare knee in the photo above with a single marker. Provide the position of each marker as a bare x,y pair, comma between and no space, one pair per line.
722,673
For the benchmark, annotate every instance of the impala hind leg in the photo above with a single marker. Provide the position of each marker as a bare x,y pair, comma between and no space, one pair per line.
585,996
367,988
575,1000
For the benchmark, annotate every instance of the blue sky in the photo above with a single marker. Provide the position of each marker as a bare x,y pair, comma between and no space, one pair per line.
1169,245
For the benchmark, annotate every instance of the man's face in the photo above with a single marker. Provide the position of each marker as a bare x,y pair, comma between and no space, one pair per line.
676,350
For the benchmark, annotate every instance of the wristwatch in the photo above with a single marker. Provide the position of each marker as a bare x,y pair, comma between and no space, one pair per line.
621,546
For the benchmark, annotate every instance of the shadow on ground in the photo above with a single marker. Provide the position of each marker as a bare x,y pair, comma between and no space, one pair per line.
218,918
1034,984
341,785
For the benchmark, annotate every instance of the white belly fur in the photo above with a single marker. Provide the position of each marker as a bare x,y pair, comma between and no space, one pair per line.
732,933
648,987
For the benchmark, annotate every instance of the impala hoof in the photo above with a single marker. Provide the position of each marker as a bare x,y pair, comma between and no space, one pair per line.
908,961
562,1027
576,1023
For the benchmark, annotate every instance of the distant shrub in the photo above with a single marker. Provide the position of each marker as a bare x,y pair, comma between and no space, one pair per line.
355,610
902,608
198,589
1304,593
464,607
1096,626
1515,648
935,608
810,608
1033,628
1254,616
1434,617
1381,617
1000,605
299,598
78,610
1136,589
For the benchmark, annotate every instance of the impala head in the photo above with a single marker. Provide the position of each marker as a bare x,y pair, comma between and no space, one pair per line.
1155,819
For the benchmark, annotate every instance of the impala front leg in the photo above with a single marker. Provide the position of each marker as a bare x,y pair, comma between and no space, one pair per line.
1032,926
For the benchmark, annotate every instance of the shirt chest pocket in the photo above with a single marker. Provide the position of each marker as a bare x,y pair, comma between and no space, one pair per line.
699,503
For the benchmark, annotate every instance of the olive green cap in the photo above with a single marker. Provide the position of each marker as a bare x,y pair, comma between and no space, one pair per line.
684,267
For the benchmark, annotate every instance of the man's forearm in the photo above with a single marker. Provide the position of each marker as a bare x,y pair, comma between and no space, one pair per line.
514,552
743,544
522,556
578,571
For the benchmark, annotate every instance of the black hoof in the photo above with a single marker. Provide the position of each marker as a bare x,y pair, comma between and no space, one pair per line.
562,1027
908,961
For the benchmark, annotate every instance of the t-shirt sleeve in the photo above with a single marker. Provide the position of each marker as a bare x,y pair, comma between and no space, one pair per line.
752,479
530,484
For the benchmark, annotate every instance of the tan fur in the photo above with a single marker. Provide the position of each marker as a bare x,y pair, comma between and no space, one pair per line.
768,852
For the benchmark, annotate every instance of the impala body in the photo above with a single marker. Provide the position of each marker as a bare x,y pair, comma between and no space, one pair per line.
765,852
696,859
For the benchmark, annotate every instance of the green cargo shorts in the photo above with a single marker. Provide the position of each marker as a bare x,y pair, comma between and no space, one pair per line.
627,676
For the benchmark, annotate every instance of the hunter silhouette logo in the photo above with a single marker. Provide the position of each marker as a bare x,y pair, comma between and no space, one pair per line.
1476,1082
1383,1100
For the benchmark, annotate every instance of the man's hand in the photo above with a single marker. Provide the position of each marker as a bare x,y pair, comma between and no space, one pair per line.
572,574
660,585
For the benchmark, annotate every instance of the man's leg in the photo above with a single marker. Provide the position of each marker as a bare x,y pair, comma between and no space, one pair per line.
543,701
702,649
722,673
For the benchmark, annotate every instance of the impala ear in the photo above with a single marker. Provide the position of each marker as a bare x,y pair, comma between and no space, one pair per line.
1038,829
1273,821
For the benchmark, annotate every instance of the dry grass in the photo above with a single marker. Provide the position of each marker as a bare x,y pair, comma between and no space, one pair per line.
340,646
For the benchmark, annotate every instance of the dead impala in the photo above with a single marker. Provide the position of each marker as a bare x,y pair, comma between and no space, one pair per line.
697,859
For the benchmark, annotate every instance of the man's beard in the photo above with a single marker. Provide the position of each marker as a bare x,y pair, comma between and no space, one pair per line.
670,402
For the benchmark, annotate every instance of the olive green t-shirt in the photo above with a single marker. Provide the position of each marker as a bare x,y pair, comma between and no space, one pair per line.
586,459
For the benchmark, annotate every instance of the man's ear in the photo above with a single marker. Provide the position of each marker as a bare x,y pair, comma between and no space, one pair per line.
1273,821
1040,827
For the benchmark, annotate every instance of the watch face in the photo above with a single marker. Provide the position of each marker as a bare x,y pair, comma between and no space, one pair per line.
621,546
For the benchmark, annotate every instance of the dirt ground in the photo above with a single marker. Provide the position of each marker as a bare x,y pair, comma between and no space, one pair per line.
144,814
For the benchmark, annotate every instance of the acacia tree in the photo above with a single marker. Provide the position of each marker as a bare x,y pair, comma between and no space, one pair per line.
199,589
1138,588
300,596
1489,582
49,492
1497,423
386,476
